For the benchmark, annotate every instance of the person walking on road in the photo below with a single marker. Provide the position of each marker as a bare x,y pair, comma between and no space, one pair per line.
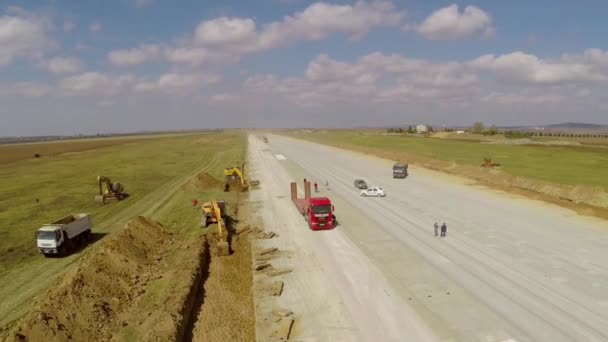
436,226
444,230
316,187
195,203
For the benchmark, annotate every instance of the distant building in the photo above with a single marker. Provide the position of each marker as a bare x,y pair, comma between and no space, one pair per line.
422,128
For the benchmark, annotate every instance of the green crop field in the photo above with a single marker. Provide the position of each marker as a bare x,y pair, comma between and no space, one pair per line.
153,172
575,165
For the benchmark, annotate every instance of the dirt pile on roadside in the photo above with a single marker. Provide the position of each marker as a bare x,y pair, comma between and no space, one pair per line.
202,181
90,303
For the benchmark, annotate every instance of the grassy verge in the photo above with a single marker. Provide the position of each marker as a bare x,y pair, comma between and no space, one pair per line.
563,165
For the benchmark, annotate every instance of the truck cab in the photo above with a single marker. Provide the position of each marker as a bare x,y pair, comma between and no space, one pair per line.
400,170
48,239
320,213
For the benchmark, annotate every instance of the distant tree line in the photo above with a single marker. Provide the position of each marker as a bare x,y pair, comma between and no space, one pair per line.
479,128
409,130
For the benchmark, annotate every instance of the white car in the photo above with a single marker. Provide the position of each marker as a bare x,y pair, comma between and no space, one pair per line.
374,191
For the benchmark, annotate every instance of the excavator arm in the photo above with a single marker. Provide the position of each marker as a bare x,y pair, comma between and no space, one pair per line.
101,181
217,211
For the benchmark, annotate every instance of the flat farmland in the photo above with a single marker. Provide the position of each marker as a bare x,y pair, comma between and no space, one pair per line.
153,172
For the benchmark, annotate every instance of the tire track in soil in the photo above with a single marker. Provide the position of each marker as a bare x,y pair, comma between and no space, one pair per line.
45,273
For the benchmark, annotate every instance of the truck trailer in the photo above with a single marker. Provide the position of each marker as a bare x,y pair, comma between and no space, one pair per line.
317,211
61,236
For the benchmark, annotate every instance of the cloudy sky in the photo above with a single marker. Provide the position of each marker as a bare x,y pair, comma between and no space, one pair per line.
70,67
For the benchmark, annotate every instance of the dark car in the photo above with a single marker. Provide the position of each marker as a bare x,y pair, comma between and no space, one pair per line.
360,184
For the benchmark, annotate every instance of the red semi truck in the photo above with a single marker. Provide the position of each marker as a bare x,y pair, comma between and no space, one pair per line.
317,211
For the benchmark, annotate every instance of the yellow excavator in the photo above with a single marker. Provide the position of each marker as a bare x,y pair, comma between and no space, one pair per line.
235,178
109,190
215,212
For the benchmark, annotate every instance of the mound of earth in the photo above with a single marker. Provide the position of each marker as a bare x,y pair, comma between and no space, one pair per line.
90,303
202,181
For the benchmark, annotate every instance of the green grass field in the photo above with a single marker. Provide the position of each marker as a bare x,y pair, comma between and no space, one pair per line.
152,171
573,165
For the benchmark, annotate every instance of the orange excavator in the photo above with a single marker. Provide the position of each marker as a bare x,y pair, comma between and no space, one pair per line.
215,212
109,190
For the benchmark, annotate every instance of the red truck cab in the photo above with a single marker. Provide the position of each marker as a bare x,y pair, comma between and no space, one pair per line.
317,211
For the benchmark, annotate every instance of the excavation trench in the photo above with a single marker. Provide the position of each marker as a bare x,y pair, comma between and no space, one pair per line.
149,282
196,296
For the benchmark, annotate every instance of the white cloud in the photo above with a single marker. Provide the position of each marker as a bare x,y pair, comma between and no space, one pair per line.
95,26
225,39
196,56
139,55
62,65
449,24
179,83
25,89
393,78
225,31
93,83
524,67
68,26
21,35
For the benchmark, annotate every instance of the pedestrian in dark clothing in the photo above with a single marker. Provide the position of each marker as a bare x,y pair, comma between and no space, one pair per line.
444,230
316,187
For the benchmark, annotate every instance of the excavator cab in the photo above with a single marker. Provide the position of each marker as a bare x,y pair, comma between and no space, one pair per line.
109,190
235,178
212,212
215,212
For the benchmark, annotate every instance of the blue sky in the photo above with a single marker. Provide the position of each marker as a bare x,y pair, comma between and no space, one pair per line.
70,67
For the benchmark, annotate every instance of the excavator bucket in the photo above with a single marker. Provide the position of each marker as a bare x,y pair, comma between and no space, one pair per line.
222,248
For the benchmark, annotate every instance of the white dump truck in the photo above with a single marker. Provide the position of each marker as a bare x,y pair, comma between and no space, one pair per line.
61,236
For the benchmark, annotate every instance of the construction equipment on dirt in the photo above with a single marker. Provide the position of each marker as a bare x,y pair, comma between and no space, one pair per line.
235,178
109,190
487,162
215,212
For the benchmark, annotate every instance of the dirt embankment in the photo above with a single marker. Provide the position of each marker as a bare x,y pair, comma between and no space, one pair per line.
93,301
111,295
146,283
226,314
202,181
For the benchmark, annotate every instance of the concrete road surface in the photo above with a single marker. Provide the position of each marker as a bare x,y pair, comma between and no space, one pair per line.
336,293
510,269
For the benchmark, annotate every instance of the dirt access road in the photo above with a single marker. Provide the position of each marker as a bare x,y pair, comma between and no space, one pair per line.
511,269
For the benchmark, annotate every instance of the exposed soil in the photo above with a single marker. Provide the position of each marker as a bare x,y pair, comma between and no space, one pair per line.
227,311
93,301
202,181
